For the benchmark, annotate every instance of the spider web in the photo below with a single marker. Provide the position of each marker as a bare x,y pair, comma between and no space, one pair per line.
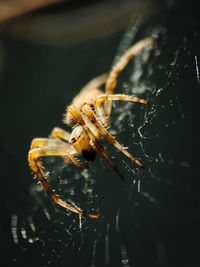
153,215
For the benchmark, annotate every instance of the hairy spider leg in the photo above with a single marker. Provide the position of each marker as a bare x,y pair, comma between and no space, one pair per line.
116,97
95,83
58,133
88,127
121,64
34,156
69,158
110,138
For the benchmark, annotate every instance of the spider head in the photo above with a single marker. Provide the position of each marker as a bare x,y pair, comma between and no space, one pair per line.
80,141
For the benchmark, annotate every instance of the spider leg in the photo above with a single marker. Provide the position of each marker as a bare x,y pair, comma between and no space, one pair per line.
95,82
58,133
40,142
89,128
91,88
111,139
69,158
34,156
101,112
121,64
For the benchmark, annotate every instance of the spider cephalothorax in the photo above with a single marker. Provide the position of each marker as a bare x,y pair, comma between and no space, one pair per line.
88,115
81,143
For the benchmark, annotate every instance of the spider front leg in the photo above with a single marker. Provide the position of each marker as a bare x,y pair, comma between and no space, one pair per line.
95,83
58,133
51,148
111,139
121,64
102,112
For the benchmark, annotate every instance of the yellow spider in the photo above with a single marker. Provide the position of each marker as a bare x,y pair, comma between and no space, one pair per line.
88,115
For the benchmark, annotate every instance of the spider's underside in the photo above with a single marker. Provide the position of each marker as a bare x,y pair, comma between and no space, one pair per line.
88,115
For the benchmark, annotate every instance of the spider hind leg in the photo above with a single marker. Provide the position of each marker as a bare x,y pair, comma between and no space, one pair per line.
52,148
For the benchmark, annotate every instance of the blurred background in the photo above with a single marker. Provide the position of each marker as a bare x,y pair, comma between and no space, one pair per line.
48,51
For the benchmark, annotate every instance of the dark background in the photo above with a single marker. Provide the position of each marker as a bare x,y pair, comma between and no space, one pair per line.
157,226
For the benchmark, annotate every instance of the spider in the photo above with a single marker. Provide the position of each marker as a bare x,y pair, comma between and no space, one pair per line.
88,115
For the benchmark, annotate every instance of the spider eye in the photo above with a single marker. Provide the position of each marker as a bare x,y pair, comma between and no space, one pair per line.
89,155
73,140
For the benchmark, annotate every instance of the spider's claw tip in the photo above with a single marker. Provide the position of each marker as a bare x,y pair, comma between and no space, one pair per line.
90,215
142,166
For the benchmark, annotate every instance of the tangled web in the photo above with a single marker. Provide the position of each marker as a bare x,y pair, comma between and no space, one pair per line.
152,215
